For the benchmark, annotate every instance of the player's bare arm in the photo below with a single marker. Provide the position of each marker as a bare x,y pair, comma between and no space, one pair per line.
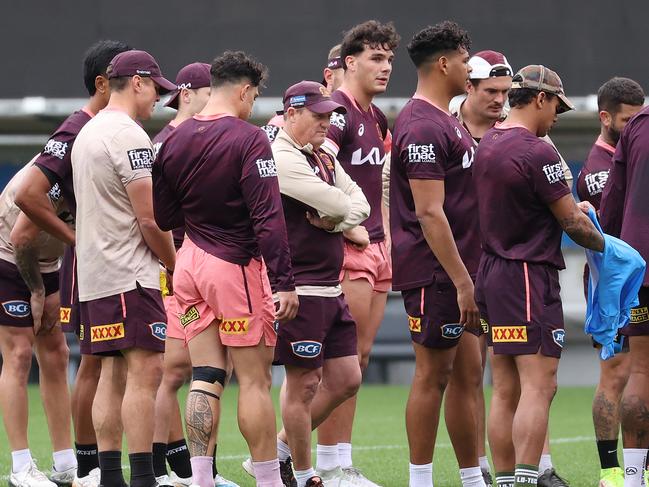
576,224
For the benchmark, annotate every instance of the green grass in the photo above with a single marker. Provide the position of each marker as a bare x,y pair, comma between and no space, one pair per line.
380,438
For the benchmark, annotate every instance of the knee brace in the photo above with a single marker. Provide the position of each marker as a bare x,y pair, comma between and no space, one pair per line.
209,376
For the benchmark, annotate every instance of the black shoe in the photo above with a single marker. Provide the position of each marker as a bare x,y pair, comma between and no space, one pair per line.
314,482
486,476
550,478
286,473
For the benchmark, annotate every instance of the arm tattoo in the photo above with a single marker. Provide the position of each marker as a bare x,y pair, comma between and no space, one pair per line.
27,264
200,423
583,232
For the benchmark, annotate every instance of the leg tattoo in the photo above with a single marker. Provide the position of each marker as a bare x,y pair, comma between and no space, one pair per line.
199,423
605,417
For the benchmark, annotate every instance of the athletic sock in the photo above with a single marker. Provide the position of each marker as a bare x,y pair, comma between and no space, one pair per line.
141,469
484,464
21,459
202,471
160,459
64,460
421,475
110,463
525,475
471,477
267,473
345,455
545,463
178,458
87,459
607,450
327,457
283,451
504,479
303,475
634,464
215,471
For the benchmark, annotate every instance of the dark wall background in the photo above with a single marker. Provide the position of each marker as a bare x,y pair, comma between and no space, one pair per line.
43,41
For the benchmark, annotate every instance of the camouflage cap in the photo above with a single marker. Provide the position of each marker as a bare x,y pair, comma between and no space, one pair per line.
538,77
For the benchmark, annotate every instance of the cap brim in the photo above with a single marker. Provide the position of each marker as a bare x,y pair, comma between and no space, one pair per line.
173,100
565,104
164,84
327,106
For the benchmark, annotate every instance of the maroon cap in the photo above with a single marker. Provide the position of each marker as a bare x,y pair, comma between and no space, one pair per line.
192,76
489,64
311,95
141,63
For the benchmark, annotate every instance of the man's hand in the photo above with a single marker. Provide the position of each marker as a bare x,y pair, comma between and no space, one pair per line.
37,306
585,206
469,313
323,222
358,236
288,305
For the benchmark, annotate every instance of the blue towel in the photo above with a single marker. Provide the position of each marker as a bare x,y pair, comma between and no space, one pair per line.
616,275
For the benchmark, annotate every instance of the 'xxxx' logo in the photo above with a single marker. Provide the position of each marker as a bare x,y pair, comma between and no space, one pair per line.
64,314
501,334
414,324
106,332
235,326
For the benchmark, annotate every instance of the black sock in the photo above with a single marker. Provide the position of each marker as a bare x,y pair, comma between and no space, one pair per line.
178,458
110,463
215,471
141,469
87,459
159,459
607,450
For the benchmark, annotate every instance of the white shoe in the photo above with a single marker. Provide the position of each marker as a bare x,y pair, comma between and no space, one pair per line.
333,478
220,481
164,480
90,480
356,477
247,466
30,476
65,477
179,481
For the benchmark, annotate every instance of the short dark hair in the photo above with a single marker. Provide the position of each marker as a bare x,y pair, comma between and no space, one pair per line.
520,97
235,66
371,33
431,42
618,91
118,84
96,60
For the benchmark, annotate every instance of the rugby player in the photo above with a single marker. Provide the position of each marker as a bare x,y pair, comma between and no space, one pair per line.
524,202
356,140
52,171
118,248
434,222
624,213
228,231
618,100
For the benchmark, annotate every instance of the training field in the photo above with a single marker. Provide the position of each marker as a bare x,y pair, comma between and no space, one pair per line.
379,437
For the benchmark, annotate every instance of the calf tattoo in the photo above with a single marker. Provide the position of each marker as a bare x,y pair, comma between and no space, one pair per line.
200,420
605,417
635,417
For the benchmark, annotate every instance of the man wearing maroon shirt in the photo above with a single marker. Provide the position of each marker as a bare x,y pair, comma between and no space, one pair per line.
618,100
523,204
434,222
216,175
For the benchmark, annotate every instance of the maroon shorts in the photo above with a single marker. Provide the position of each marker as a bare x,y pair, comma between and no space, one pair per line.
433,314
15,295
521,303
69,292
133,319
639,323
323,329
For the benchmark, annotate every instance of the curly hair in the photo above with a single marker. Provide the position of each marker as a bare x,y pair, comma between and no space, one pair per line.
371,33
431,42
235,66
618,91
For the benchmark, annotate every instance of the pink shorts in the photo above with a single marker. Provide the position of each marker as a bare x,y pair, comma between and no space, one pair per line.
372,264
238,297
174,330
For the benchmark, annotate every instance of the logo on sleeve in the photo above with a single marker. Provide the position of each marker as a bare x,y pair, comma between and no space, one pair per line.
595,182
17,308
338,120
189,316
140,158
159,330
55,193
559,336
156,148
56,148
271,132
421,153
452,331
306,348
414,324
267,168
553,172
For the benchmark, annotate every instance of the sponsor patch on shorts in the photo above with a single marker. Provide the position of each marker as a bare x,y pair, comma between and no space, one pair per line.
159,330
484,325
452,331
509,334
640,314
414,324
140,158
306,348
189,316
559,336
101,333
234,326
64,314
81,332
17,308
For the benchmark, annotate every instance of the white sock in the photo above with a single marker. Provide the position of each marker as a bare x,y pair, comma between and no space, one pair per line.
545,463
21,459
283,451
634,463
345,454
484,464
421,475
327,457
471,477
64,460
303,475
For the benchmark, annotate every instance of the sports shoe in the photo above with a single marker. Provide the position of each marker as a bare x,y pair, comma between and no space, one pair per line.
247,466
63,478
356,477
488,479
179,481
315,482
611,477
285,471
336,477
550,478
90,480
220,481
30,476
164,481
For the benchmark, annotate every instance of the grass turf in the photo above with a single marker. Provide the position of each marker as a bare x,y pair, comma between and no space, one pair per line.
380,447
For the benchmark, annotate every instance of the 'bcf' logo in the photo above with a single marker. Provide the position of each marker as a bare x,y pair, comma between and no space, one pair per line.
452,331
559,336
306,348
17,309
159,330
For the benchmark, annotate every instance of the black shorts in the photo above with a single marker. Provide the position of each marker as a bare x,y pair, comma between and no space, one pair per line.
639,323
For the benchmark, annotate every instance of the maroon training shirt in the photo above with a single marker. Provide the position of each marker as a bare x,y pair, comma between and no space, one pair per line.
429,143
218,177
594,174
517,175
358,136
